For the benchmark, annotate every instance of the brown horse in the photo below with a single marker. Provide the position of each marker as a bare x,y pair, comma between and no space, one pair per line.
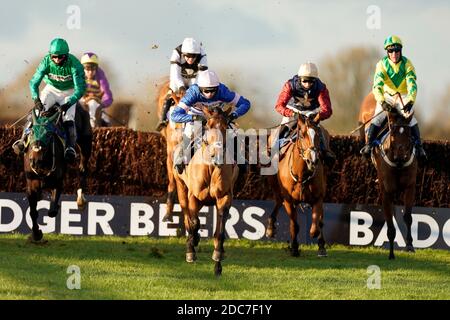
396,165
173,134
45,166
208,180
301,178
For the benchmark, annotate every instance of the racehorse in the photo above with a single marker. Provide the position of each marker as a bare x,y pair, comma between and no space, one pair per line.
173,134
396,164
301,178
208,180
45,166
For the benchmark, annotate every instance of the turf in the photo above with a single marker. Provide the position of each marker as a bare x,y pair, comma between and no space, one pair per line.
149,268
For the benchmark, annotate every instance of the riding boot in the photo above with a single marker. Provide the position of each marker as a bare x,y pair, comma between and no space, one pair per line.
418,143
163,119
19,145
371,136
71,140
328,156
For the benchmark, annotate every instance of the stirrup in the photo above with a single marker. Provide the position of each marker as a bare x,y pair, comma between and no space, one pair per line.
366,150
18,147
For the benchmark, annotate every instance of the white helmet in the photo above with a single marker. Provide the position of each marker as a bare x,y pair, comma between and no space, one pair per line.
190,45
308,69
207,79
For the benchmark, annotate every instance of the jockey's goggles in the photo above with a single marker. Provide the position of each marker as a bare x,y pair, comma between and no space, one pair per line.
190,55
394,49
58,57
209,90
307,80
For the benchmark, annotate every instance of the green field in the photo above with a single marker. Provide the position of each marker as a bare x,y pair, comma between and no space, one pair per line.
144,268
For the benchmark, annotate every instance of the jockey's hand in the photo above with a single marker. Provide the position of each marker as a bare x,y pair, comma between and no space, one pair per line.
233,116
408,106
386,106
199,117
182,91
38,104
65,107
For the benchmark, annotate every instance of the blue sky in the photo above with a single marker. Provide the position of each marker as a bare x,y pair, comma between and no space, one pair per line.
261,43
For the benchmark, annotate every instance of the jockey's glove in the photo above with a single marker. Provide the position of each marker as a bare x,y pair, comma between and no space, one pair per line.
408,106
198,117
38,104
65,107
386,106
233,116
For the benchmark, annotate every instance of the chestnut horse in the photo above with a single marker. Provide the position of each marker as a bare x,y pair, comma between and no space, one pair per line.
301,178
208,180
396,164
173,135
45,166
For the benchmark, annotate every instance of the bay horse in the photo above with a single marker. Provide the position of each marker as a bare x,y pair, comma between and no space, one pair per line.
208,180
45,166
173,135
396,164
300,178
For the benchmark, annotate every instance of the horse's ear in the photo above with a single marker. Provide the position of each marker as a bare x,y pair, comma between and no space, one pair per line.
227,110
206,111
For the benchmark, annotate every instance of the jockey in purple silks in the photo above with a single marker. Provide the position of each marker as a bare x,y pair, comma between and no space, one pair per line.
98,94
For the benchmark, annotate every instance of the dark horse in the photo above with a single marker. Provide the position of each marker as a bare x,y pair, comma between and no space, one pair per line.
396,164
208,180
301,178
45,166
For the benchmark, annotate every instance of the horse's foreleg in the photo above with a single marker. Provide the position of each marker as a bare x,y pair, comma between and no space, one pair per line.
85,154
171,190
36,231
388,210
293,227
192,226
321,239
409,197
223,211
317,215
54,203
271,222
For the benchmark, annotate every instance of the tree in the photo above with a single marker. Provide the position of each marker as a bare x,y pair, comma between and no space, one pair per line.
349,78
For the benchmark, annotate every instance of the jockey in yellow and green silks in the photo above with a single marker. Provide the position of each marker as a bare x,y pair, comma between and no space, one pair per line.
394,74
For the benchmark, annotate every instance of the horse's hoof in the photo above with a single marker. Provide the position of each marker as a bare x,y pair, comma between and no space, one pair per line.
191,257
294,252
410,248
218,269
217,256
167,218
391,257
270,232
322,253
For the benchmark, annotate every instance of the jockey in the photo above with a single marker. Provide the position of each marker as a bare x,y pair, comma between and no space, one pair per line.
187,60
98,93
207,92
65,85
394,74
308,92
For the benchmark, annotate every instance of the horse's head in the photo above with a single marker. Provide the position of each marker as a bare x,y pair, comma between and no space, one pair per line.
399,145
215,134
308,141
41,140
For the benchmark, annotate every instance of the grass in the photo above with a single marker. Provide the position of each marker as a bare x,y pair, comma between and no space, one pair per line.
149,268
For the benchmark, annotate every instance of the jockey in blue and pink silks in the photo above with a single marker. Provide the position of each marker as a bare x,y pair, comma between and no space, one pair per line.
208,91
97,94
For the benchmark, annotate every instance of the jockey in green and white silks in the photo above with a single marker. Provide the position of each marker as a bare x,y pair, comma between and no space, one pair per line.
65,84
394,87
